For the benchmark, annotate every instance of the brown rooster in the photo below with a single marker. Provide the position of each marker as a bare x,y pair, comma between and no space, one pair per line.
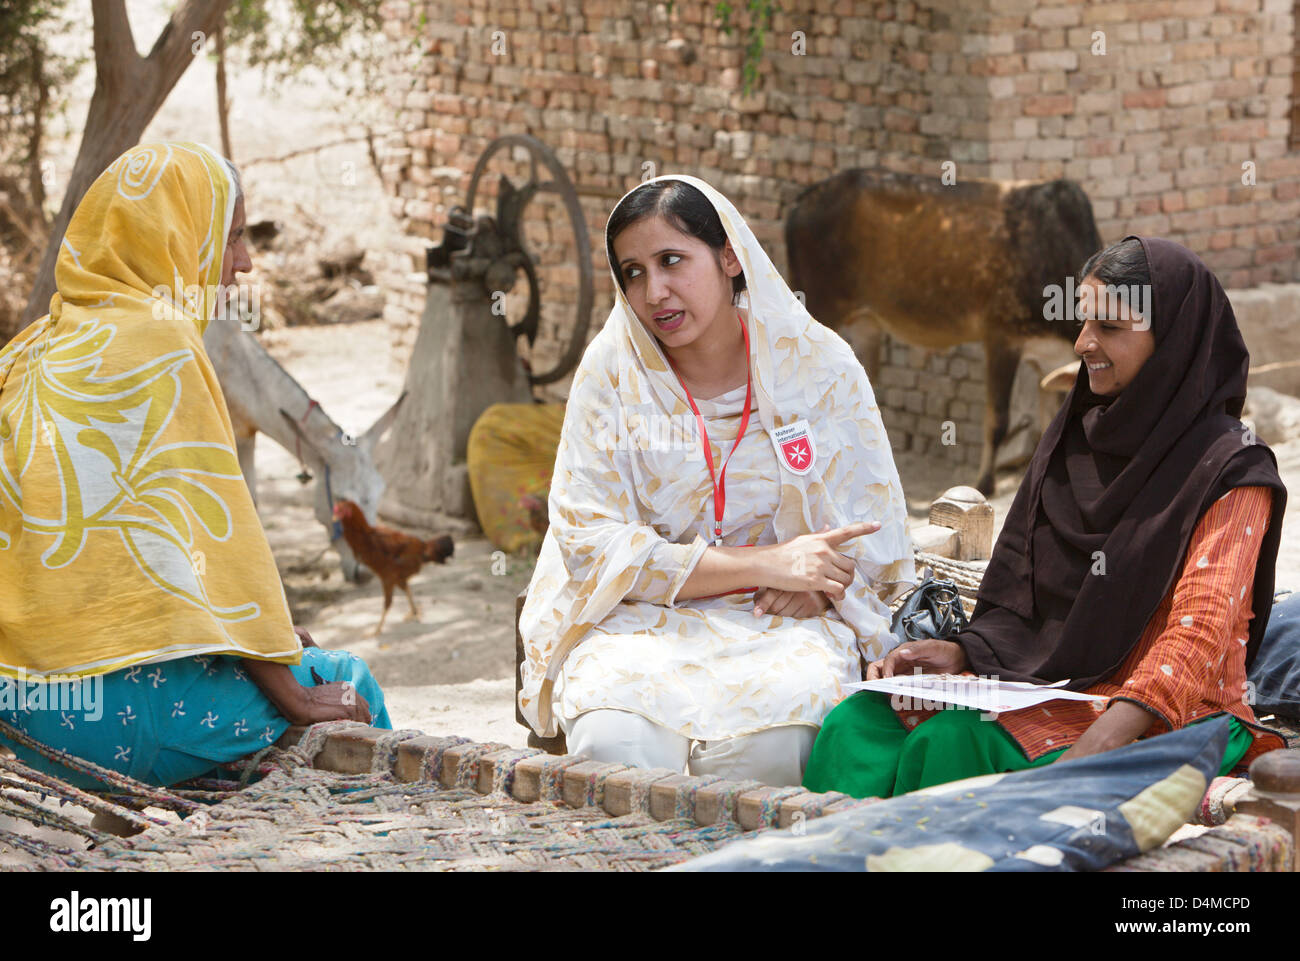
392,555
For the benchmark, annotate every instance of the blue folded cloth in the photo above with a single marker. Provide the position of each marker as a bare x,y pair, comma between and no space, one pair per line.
1078,815
1275,673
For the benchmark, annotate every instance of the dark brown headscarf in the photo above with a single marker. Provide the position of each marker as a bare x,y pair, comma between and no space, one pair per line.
1129,476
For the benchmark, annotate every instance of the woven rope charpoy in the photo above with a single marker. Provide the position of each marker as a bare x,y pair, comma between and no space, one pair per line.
552,773
294,816
641,781
503,774
730,794
467,768
386,748
684,802
431,763
770,807
298,817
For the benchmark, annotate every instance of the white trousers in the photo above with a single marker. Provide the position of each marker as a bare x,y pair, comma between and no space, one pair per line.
776,756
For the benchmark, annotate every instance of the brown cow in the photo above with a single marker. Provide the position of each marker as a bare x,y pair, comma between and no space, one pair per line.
938,265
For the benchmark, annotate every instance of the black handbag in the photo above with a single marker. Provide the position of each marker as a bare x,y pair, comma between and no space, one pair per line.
932,610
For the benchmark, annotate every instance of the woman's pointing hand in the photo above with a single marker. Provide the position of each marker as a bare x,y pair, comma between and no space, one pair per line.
813,562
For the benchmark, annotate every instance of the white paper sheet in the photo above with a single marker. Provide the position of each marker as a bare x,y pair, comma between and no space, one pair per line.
925,691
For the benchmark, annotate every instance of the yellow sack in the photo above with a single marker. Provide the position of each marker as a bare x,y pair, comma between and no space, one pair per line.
127,533
512,455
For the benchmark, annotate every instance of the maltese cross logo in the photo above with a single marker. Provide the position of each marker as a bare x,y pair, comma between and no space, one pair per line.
795,444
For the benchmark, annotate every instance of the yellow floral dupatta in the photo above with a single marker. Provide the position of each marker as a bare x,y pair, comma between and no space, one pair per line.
127,534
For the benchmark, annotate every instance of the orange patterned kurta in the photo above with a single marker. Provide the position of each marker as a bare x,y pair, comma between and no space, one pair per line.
1191,659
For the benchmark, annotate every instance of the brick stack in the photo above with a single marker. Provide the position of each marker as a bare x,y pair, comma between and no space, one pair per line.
1157,128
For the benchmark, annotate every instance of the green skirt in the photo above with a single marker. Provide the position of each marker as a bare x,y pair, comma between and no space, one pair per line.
864,750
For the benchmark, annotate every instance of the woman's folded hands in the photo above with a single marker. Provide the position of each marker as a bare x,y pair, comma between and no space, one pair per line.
812,562
799,578
803,574
769,600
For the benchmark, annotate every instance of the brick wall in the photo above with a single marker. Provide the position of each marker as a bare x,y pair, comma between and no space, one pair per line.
1156,128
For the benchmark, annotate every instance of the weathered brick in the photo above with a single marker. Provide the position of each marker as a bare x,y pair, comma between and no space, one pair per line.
349,751
1048,105
576,780
709,802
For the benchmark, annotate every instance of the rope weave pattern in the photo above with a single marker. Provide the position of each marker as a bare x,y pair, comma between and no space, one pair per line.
770,807
385,753
1243,844
728,798
641,782
467,767
684,802
297,817
552,786
594,793
813,809
314,739
318,820
155,796
431,763
503,774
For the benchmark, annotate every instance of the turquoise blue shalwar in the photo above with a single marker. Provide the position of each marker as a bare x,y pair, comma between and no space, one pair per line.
168,722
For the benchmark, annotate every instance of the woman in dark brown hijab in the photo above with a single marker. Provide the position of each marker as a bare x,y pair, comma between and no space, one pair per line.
1136,561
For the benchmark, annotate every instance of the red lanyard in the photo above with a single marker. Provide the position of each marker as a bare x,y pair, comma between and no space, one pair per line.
720,481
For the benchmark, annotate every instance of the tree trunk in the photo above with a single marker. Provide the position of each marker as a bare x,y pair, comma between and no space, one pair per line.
36,142
129,90
223,103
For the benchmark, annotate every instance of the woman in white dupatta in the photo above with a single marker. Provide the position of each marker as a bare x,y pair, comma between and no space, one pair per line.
704,613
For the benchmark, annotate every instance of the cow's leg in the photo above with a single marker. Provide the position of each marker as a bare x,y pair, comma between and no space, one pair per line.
1002,357
245,445
861,332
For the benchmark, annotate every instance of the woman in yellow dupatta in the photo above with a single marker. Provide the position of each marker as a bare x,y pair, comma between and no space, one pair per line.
143,624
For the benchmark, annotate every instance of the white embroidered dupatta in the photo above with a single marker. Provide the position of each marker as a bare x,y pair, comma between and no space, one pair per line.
619,513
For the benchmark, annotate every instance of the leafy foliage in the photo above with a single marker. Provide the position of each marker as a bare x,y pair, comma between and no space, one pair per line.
285,37
760,19
32,81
